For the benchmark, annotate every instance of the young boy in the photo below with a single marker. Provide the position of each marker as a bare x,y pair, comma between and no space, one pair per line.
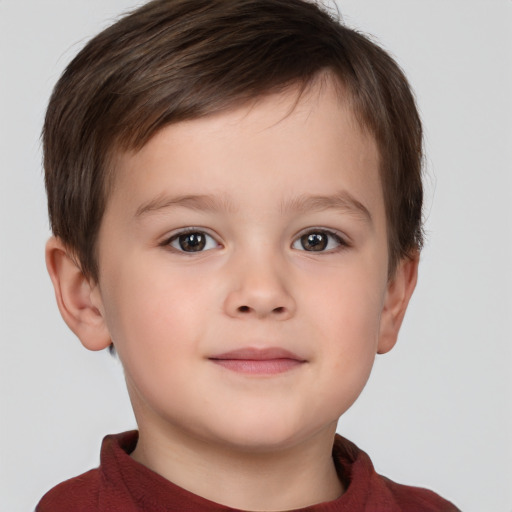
235,193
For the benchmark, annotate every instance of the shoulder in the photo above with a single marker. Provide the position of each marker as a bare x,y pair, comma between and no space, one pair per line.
417,498
373,492
80,494
103,488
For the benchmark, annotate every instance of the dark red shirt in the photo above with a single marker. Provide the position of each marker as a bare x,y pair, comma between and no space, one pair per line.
122,484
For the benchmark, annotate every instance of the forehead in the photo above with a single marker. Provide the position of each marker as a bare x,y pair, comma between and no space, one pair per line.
281,138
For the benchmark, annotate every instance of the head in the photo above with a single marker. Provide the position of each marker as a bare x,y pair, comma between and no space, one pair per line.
302,122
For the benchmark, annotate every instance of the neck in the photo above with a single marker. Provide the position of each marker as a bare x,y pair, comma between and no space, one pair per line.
296,476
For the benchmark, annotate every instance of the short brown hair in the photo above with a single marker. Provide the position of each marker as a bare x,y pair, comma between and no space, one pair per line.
172,60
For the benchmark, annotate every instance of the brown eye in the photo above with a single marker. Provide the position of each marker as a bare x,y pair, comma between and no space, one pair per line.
314,241
193,241
318,241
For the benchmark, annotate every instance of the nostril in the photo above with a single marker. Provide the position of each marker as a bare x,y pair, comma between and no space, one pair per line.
248,309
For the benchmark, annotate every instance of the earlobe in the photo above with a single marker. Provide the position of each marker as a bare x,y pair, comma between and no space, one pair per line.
78,298
399,291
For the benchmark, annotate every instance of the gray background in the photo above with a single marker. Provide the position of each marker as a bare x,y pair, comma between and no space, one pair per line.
437,410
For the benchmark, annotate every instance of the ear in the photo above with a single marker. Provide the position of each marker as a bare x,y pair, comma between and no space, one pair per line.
78,297
399,291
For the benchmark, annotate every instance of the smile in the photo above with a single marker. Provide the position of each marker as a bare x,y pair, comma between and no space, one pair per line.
269,361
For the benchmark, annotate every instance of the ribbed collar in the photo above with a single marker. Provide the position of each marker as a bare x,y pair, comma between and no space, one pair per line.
151,492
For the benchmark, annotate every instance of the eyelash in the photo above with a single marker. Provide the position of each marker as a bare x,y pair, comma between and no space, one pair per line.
190,231
328,236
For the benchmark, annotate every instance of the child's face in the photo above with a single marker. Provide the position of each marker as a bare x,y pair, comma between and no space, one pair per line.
244,272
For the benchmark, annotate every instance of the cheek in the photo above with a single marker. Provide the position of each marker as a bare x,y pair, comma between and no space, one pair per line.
349,339
346,322
348,302
155,326
152,311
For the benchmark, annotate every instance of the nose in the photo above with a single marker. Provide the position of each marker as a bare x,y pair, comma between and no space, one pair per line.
258,290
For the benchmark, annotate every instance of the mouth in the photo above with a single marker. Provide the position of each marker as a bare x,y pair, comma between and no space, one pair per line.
268,361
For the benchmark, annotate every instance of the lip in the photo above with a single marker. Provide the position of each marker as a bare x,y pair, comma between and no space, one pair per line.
255,361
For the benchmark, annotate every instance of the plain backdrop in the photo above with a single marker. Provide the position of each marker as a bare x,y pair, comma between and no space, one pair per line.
437,410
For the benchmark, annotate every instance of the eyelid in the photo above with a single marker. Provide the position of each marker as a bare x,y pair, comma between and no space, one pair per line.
340,237
166,242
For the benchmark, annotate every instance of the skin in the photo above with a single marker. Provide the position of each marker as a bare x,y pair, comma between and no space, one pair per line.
250,436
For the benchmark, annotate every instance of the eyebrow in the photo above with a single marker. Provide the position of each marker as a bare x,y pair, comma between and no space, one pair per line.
342,201
194,202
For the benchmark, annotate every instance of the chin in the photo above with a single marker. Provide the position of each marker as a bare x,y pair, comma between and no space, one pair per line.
270,436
